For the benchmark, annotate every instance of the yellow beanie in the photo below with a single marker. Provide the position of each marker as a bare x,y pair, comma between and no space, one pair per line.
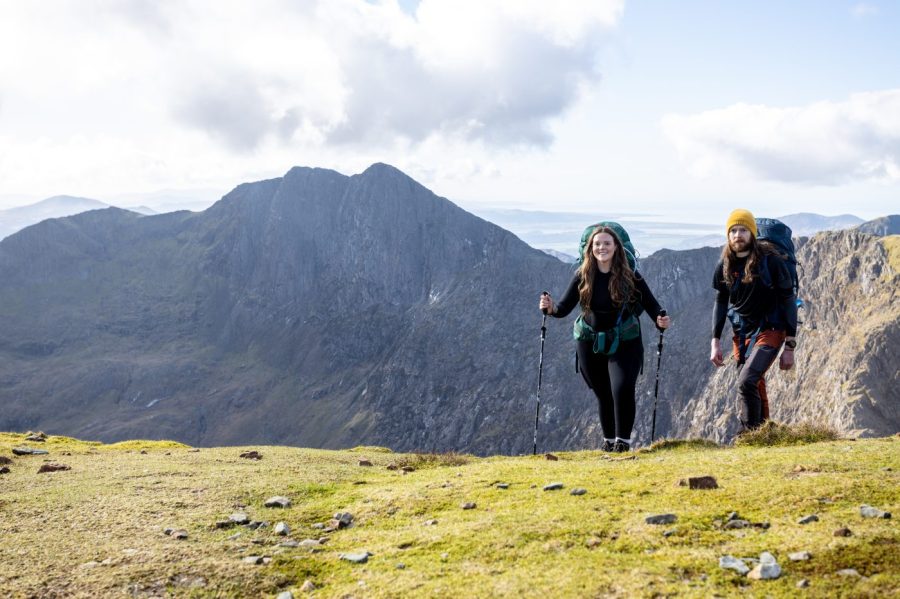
741,217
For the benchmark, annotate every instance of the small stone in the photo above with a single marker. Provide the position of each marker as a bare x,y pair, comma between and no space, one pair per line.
800,556
278,501
401,566
843,532
553,487
364,463
29,451
4,470
282,529
239,518
253,559
392,466
143,452
251,455
468,505
308,543
235,536
285,595
53,467
180,534
848,572
356,558
702,482
5,460
168,531
669,533
551,457
36,437
430,522
408,469
308,586
732,516
768,568
289,544
661,519
224,524
318,526
193,450
729,562
445,556
578,491
808,519
867,511
802,583
502,485
732,524
90,565
592,542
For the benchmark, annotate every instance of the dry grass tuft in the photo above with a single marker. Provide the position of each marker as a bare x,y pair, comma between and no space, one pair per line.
774,434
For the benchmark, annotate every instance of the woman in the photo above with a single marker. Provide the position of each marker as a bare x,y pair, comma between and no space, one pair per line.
609,347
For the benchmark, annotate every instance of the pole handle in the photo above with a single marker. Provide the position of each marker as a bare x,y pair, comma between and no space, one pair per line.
544,310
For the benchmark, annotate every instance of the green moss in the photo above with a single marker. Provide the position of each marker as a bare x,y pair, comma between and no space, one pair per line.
669,444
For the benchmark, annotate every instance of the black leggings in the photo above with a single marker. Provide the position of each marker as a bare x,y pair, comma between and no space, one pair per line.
612,378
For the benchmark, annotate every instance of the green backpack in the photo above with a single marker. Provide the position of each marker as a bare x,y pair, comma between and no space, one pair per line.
621,233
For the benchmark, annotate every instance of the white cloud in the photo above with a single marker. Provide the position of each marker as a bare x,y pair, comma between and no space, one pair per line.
864,9
826,143
123,86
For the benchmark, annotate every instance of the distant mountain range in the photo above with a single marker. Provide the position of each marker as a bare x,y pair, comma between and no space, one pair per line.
561,231
16,219
323,310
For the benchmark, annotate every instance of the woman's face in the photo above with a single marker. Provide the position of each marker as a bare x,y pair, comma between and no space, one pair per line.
603,247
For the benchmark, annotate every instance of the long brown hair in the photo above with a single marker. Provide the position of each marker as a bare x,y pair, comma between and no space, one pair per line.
756,248
621,280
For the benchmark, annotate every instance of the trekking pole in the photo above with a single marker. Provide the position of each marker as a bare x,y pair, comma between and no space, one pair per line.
537,409
656,391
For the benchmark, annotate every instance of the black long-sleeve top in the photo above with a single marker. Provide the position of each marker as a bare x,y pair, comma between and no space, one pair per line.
604,312
756,302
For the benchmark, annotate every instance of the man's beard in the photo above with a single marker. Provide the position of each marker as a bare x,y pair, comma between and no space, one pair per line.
738,245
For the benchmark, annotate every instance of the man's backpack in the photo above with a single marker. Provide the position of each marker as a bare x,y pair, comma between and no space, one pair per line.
621,233
778,236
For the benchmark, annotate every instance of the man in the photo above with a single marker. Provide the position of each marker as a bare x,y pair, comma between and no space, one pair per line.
754,281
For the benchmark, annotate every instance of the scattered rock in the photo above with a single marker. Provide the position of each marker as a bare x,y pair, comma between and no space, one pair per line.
445,556
239,518
551,457
282,529
308,587
729,562
848,572
317,526
699,482
393,466
843,532
278,501
802,583
592,542
193,450
408,469
53,467
235,536
553,487
800,556
732,516
309,543
364,463
224,524
469,505
405,545
808,519
356,558
502,485
867,511
4,470
732,524
289,544
401,566
89,565
430,522
768,568
29,451
36,437
340,520
251,455
253,559
578,491
5,460
661,519
180,534
669,533
143,452
286,595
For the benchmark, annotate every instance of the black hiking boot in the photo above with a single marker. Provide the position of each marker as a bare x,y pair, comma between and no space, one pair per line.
608,446
621,447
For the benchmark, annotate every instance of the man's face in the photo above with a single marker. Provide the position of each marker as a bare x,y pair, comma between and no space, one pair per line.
739,239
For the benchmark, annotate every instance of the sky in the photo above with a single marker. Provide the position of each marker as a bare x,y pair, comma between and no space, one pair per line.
683,110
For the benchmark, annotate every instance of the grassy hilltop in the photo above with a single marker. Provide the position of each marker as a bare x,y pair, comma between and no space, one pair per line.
97,530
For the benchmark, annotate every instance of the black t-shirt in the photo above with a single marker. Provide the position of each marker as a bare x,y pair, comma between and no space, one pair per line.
757,302
604,312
